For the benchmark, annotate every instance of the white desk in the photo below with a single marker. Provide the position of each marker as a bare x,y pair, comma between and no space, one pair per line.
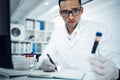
87,76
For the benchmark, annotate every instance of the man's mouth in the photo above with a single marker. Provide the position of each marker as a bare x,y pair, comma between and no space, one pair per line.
70,22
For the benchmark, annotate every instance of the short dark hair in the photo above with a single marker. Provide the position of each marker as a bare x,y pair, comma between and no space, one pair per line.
67,0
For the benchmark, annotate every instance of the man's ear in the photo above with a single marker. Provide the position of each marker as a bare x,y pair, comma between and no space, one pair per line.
81,10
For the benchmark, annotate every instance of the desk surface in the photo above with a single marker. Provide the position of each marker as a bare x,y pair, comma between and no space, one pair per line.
88,76
72,74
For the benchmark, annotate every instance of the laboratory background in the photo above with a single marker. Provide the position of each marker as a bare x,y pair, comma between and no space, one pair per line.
33,21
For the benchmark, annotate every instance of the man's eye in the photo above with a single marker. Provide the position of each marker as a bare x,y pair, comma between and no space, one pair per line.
75,10
64,11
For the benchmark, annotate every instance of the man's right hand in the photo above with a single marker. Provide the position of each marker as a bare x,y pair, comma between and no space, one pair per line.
47,66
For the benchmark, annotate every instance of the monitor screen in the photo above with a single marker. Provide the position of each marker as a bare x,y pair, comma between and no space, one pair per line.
5,42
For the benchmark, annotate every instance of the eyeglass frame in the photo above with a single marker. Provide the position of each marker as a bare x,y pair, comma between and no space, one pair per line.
70,12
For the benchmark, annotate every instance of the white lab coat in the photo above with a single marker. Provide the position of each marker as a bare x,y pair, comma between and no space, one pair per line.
73,51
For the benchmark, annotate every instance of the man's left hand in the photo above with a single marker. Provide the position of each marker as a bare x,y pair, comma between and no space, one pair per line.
103,68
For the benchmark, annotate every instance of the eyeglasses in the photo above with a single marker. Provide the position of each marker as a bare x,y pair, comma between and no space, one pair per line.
74,11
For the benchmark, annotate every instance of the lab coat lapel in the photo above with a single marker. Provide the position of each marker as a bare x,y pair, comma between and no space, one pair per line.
79,31
65,35
75,40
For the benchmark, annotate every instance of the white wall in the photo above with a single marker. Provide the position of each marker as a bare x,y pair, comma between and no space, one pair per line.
107,12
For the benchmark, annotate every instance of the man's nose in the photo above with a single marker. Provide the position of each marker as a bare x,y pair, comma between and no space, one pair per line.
71,16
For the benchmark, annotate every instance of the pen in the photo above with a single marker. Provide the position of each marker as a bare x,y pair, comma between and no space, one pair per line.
98,35
51,61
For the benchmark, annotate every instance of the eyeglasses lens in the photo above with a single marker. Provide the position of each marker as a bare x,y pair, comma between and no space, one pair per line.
66,13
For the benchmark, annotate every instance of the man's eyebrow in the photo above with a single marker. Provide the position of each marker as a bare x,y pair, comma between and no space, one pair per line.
71,9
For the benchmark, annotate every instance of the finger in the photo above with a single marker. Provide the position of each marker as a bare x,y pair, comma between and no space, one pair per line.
50,68
98,70
98,58
47,65
97,63
101,59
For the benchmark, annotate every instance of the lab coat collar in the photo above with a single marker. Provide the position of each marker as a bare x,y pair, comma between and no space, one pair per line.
79,28
75,36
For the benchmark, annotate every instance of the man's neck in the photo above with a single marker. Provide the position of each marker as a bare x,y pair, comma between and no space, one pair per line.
70,29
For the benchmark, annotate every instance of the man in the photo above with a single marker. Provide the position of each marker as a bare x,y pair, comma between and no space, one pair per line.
71,45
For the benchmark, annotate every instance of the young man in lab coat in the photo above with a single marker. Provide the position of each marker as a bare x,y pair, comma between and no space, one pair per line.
70,46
